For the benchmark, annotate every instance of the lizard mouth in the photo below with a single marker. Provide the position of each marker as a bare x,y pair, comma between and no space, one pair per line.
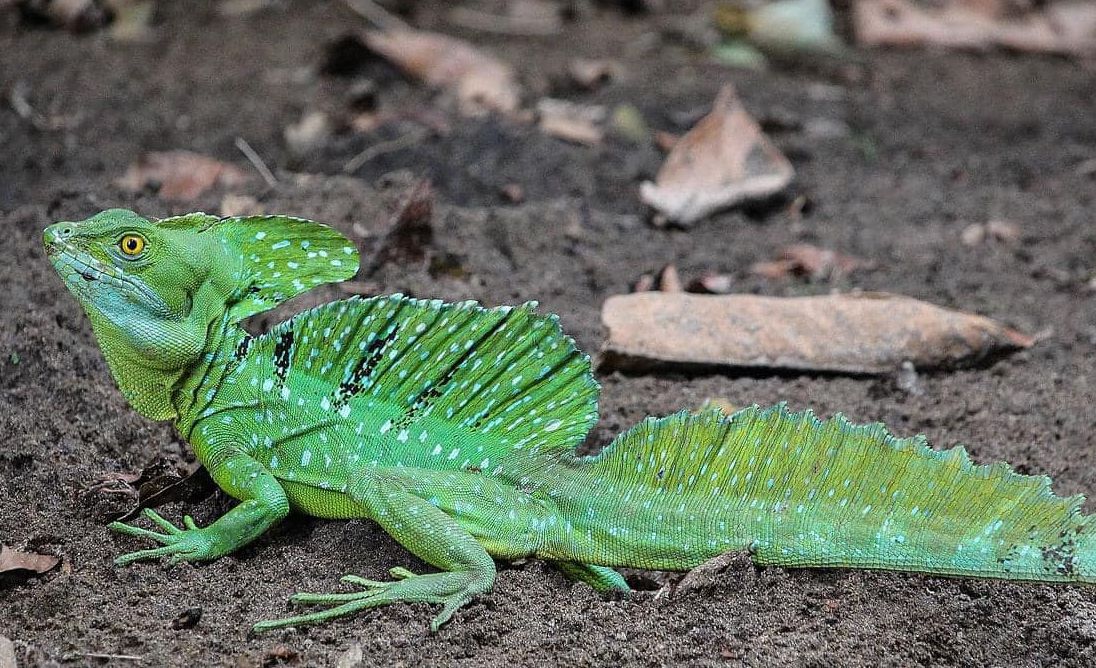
80,270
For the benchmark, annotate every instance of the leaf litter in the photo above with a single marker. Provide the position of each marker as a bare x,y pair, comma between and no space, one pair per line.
481,82
157,484
180,175
17,562
812,262
724,160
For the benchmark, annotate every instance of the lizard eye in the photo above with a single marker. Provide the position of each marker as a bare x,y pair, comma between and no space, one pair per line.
132,245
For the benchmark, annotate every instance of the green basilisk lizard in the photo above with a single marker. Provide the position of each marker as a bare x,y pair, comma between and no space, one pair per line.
454,428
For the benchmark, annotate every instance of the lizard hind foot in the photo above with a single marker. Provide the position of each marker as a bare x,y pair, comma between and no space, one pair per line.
451,589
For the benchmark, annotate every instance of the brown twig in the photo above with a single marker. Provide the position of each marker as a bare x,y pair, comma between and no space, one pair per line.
257,161
403,141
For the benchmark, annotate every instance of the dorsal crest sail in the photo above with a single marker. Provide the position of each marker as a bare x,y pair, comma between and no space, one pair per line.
451,380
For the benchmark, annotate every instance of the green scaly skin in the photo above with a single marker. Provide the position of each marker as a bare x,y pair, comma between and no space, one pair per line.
454,427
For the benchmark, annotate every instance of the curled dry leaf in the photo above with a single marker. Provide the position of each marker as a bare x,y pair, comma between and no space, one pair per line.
180,175
159,483
864,333
724,160
810,261
32,562
571,122
482,83
1066,26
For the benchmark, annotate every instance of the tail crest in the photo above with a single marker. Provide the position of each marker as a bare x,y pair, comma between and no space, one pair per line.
800,491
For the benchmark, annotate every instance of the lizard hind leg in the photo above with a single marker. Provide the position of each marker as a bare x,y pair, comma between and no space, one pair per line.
601,578
450,589
426,531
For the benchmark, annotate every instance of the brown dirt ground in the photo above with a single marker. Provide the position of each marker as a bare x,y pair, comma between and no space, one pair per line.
936,141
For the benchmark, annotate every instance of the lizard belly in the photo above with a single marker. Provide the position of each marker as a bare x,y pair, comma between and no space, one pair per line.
318,502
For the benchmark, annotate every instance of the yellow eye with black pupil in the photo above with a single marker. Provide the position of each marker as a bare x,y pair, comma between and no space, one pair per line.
132,244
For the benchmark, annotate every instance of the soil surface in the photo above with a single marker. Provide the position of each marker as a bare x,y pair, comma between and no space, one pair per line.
925,144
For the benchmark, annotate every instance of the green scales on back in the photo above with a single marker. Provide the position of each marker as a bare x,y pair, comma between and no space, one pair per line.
454,427
394,381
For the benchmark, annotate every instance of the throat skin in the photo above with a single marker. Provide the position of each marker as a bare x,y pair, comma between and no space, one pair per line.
155,363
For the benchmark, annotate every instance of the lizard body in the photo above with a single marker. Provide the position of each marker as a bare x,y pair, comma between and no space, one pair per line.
454,427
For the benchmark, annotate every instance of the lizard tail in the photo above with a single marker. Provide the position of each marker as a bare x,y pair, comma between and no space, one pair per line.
794,490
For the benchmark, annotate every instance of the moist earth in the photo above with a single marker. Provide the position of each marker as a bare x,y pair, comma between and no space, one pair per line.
927,143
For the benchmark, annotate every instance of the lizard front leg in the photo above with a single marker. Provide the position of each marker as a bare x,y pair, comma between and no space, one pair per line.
426,531
263,503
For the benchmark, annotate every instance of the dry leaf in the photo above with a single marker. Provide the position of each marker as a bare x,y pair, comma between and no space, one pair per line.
482,83
1067,27
724,160
159,483
865,333
181,175
810,261
666,141
14,560
571,122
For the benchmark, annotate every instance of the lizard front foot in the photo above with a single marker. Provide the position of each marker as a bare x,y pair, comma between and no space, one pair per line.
193,543
451,589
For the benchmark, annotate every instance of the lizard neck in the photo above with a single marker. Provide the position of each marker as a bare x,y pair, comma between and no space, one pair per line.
195,391
159,390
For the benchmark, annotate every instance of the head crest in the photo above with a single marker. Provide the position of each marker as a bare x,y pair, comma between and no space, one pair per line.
279,256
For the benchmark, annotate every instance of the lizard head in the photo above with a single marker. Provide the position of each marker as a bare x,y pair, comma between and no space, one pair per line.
153,288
